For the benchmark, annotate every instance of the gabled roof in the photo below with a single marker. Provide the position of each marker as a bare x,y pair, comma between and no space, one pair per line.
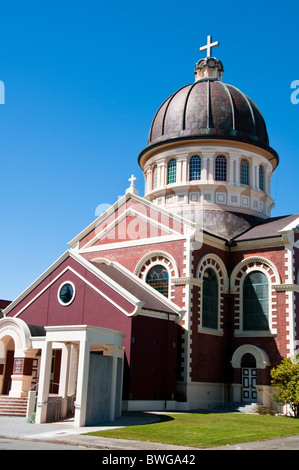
142,298
272,227
152,300
167,222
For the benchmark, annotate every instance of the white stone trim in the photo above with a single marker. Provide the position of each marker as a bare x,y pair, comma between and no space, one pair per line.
261,357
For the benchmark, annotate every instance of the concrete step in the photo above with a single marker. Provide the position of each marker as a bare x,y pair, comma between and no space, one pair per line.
238,407
13,406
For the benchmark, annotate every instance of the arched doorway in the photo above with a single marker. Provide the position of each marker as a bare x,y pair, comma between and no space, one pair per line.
249,362
248,366
7,363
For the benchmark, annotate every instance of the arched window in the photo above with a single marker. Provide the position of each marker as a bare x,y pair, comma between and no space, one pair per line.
220,168
195,168
171,171
155,177
210,302
261,178
244,172
158,278
256,302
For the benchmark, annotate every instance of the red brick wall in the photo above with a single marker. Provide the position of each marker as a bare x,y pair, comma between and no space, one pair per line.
153,365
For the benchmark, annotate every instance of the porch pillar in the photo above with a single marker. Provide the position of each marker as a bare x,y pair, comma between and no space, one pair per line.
114,351
44,383
64,377
82,384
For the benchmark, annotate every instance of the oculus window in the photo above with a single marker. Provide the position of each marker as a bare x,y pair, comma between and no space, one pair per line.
66,293
256,302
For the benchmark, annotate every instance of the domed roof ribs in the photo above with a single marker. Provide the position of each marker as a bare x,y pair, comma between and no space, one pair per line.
168,104
209,111
153,121
186,104
231,103
249,107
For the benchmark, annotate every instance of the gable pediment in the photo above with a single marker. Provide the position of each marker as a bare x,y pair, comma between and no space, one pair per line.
131,218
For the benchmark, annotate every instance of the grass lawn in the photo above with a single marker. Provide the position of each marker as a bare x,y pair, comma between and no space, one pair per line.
204,430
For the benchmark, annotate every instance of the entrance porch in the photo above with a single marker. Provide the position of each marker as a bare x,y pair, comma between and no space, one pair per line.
64,370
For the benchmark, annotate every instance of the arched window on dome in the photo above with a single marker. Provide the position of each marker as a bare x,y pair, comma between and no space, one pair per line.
210,301
244,172
158,278
256,302
195,168
171,171
220,168
155,177
261,178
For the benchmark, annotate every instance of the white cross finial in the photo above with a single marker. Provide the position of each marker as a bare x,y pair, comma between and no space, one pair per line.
209,46
132,180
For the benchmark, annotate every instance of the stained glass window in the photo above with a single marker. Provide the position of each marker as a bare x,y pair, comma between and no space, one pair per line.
195,168
158,278
256,302
210,302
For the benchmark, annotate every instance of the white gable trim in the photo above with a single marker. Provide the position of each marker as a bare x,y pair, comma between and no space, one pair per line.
145,218
137,303
73,243
128,296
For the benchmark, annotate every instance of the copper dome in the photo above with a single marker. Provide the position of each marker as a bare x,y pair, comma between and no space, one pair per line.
209,109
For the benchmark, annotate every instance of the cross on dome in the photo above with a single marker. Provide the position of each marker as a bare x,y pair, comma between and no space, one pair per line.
209,46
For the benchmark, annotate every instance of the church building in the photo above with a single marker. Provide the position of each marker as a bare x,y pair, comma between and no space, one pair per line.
181,299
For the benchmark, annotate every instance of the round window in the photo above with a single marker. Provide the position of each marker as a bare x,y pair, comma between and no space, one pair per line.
66,293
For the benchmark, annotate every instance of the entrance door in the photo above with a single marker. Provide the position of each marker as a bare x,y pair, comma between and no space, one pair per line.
8,372
249,392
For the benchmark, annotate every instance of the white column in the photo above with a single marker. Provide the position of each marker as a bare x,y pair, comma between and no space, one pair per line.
122,357
162,175
44,383
114,351
184,169
204,169
82,383
210,177
64,377
254,179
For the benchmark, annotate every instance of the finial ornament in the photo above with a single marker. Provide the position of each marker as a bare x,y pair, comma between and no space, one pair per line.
132,189
132,181
209,46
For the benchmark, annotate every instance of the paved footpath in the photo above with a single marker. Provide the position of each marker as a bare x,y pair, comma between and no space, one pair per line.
65,432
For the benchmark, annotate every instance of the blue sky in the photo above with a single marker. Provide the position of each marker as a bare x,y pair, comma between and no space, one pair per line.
82,83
